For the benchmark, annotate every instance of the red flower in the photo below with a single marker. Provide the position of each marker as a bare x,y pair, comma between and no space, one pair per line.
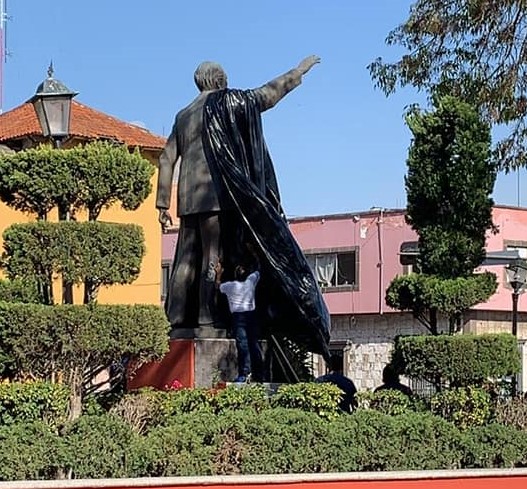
174,385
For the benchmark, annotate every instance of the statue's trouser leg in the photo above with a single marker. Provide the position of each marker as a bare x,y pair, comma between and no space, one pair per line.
183,271
209,225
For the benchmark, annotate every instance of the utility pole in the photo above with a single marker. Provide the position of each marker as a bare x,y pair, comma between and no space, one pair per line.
3,49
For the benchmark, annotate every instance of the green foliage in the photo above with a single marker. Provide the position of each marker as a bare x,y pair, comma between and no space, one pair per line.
449,184
184,448
387,401
19,290
495,445
37,180
244,441
33,401
42,340
471,48
372,441
30,451
460,360
103,253
512,412
322,399
464,406
418,292
99,446
91,177
235,397
110,174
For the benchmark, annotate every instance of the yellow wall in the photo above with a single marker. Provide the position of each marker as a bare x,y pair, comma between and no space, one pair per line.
147,287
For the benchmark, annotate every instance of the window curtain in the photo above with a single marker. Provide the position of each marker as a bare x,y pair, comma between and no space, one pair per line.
325,266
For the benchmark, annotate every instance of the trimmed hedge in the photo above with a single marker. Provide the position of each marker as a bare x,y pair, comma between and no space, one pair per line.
42,340
459,360
243,441
101,253
19,291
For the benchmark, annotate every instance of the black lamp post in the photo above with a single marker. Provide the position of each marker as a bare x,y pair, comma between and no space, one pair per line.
517,275
52,103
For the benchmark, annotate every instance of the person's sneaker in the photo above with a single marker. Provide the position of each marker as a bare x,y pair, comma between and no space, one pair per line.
242,379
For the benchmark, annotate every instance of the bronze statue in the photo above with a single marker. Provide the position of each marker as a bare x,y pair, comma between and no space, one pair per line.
202,210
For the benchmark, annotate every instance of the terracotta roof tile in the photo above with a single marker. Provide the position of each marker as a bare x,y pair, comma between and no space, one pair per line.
85,122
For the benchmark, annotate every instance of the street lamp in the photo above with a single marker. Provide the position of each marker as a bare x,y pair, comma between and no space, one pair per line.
52,103
517,275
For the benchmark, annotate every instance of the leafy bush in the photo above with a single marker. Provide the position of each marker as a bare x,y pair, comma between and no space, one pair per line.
19,291
91,177
31,451
41,340
387,401
370,441
322,399
186,447
418,292
463,406
235,397
101,253
32,401
459,360
512,412
99,447
495,445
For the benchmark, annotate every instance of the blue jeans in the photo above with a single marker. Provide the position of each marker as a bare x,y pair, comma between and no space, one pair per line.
247,333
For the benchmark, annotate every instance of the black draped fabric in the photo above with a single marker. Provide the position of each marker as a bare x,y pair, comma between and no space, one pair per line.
243,173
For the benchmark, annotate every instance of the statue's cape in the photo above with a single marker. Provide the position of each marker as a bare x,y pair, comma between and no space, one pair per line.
243,173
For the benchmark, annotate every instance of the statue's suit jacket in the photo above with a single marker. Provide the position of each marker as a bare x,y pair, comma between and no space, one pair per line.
196,191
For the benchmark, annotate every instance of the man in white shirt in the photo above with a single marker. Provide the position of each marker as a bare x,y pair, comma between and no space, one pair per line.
240,295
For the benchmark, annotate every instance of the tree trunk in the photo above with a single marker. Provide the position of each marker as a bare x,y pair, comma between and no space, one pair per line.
433,321
76,381
67,287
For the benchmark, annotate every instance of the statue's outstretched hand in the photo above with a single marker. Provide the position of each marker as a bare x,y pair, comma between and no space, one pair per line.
306,64
165,219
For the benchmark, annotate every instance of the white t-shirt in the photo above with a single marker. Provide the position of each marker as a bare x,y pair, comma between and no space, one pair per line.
241,294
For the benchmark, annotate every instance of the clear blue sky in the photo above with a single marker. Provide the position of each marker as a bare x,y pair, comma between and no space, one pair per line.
338,144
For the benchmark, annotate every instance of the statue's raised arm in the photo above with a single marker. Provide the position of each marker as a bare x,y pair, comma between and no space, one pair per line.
273,91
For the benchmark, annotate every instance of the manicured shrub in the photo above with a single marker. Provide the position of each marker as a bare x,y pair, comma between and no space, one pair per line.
33,401
459,360
512,412
463,406
495,445
99,447
322,399
19,291
186,447
387,401
31,451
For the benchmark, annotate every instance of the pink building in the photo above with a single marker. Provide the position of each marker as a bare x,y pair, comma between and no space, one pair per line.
355,256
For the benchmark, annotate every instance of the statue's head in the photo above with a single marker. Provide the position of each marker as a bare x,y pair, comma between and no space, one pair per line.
210,76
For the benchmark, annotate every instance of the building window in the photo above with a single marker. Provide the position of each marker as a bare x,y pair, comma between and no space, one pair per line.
335,268
165,278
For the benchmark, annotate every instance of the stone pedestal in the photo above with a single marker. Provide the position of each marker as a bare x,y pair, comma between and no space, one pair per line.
197,358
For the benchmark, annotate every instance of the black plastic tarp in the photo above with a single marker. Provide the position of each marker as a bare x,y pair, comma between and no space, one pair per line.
289,296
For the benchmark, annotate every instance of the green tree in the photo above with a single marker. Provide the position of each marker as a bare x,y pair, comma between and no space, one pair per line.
45,340
90,177
449,183
474,49
83,178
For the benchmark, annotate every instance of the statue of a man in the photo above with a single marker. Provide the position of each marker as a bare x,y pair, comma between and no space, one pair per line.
201,208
